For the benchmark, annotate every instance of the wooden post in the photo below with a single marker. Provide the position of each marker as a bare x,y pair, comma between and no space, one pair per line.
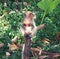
27,49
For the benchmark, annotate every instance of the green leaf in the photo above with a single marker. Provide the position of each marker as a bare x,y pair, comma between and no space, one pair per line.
53,5
48,5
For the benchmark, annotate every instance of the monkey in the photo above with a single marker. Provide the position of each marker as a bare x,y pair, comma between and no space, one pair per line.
29,28
28,25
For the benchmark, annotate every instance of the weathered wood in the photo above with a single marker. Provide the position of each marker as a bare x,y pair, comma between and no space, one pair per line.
50,55
27,49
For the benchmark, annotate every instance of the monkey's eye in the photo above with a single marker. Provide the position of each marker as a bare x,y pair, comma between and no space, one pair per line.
26,25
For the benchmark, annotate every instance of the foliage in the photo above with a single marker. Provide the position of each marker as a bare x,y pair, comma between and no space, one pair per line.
11,18
48,5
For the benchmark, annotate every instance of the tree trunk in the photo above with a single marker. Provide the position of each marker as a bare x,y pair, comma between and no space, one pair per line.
27,49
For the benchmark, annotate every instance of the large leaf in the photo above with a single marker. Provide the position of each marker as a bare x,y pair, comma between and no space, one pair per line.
48,5
53,5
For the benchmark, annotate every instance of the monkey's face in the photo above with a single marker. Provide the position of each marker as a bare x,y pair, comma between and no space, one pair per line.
27,29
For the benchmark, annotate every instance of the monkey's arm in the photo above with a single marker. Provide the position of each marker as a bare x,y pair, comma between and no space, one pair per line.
41,26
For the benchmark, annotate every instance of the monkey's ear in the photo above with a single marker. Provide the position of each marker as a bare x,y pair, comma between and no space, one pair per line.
31,14
34,15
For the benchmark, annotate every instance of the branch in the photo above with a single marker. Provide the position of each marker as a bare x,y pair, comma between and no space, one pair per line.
43,56
48,54
14,39
36,50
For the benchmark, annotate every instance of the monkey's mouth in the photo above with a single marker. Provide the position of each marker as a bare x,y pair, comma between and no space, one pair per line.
28,36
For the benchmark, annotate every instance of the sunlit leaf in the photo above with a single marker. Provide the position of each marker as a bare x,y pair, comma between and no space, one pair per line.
48,5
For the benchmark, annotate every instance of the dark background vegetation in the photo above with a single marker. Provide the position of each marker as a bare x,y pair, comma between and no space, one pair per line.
46,11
